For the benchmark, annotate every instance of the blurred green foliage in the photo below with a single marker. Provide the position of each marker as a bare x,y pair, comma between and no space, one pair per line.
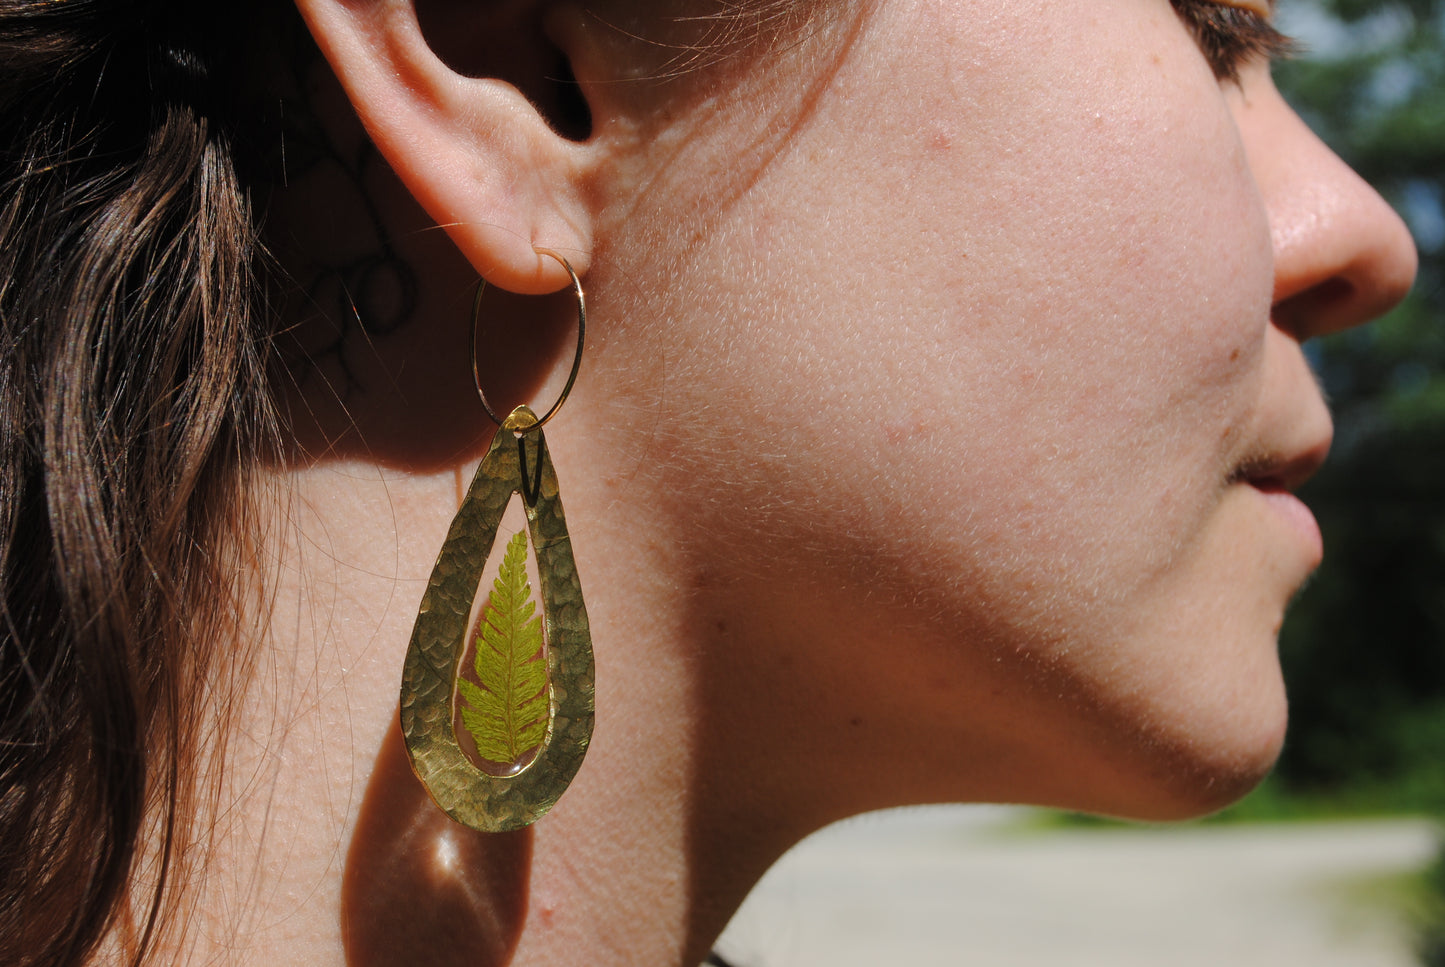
1364,649
1432,916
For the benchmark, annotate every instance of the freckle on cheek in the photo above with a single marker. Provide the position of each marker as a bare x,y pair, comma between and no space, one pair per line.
897,431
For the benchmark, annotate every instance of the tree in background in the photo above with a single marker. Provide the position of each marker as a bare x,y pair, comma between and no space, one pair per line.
1364,651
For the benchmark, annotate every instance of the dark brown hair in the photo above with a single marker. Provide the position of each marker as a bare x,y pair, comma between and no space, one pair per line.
133,361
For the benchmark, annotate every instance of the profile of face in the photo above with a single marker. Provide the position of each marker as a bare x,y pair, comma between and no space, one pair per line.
991,394
947,381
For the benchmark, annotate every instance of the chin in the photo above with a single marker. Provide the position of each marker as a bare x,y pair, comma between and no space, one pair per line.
1207,724
1213,764
1209,790
1185,753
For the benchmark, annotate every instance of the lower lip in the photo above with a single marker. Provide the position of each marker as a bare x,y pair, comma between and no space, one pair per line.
1293,511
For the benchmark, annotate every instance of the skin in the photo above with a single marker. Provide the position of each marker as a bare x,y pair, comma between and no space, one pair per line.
935,449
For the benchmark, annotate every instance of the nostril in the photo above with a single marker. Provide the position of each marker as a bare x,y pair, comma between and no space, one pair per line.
1323,307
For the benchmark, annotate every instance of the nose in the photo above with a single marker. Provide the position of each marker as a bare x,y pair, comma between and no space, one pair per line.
1342,255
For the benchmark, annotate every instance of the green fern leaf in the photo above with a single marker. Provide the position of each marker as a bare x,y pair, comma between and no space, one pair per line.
507,714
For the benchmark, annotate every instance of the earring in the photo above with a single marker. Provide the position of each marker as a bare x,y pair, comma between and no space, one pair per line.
527,702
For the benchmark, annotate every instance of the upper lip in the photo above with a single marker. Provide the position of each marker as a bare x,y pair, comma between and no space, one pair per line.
1286,468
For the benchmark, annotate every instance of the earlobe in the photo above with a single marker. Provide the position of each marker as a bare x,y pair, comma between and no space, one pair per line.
476,154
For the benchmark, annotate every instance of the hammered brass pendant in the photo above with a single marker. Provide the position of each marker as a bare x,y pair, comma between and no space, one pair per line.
516,463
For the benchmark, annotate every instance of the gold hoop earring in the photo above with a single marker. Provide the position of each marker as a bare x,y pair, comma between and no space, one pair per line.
527,706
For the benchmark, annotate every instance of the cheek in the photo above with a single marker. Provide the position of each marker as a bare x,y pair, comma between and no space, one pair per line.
1028,287
1055,282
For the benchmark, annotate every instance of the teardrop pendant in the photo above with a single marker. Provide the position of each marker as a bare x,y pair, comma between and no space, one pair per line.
516,463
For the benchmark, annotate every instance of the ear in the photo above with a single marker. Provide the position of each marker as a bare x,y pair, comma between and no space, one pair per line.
480,159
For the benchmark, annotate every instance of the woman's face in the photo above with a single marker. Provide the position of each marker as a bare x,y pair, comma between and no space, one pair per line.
982,390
